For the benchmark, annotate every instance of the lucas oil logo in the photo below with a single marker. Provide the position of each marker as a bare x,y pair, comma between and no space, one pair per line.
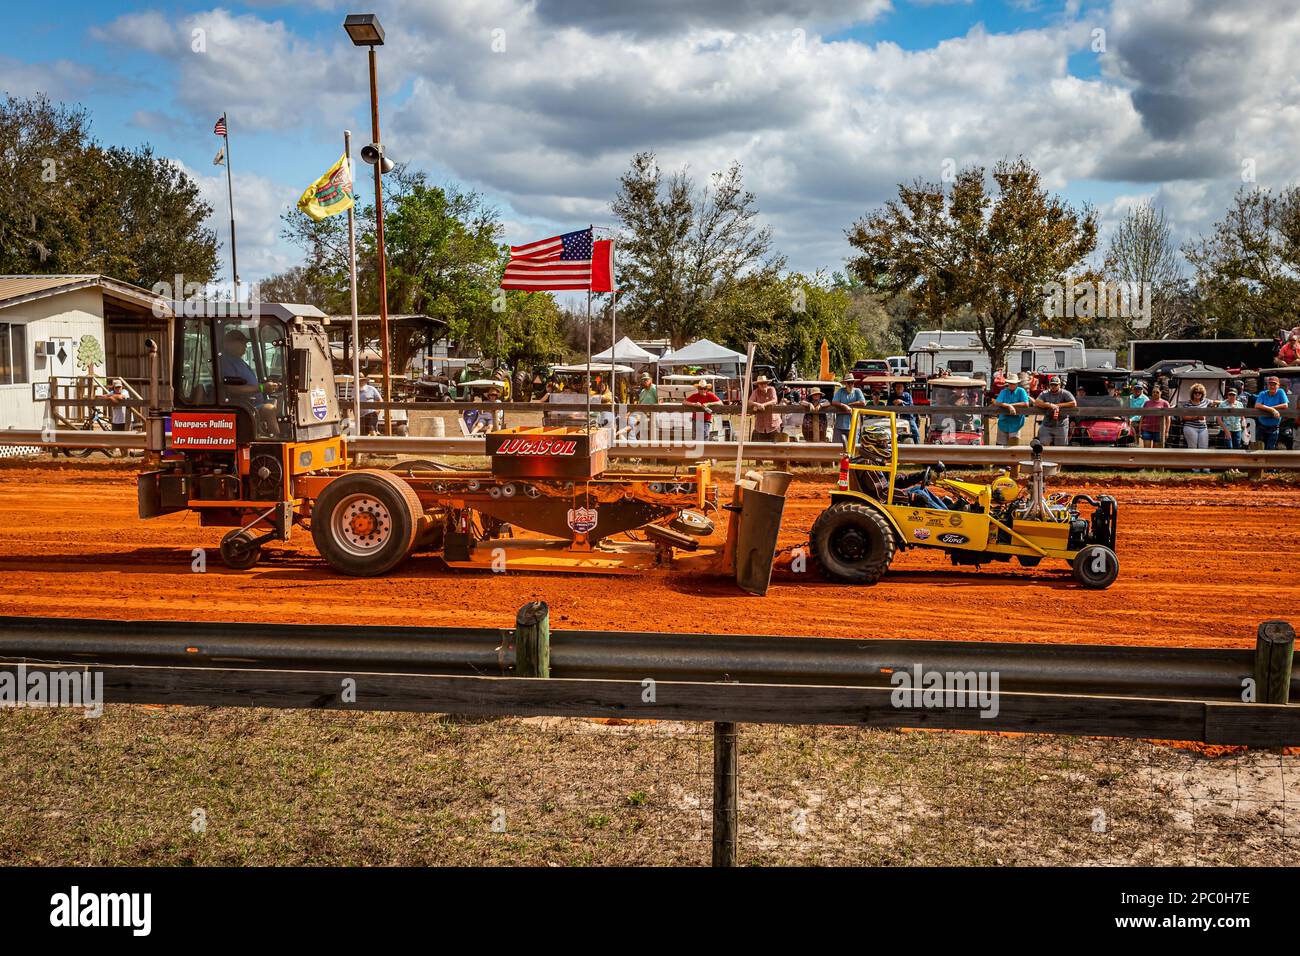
921,534
582,520
544,447
319,407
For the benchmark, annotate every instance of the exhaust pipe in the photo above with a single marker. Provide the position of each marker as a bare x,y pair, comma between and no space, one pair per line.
154,421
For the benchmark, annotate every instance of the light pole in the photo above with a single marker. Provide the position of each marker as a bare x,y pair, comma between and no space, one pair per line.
364,29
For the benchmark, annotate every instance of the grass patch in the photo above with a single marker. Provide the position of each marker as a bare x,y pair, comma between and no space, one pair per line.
203,786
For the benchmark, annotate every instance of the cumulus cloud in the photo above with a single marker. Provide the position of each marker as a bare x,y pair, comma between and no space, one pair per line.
59,79
678,16
259,201
257,69
1214,87
541,103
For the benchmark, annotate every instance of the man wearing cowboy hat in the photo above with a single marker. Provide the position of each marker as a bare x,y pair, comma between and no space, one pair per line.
703,396
762,401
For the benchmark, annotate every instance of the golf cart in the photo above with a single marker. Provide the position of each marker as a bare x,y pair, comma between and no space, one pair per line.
1093,423
952,429
1180,380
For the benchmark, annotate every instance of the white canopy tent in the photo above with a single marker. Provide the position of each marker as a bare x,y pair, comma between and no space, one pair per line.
703,352
625,350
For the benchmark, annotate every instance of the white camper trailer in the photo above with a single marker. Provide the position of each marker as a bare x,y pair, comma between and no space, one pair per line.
960,353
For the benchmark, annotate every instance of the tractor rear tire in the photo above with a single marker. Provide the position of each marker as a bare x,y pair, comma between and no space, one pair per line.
365,522
239,552
1096,567
853,543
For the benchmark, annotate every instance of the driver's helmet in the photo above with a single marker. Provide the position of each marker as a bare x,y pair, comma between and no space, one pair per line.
1005,489
875,439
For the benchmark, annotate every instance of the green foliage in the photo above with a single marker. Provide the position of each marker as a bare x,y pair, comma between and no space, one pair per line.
787,319
1248,268
71,205
962,249
686,256
444,259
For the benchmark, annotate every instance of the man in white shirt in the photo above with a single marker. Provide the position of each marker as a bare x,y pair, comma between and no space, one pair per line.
117,394
369,419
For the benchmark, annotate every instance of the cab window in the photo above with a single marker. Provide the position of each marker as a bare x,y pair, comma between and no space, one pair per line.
195,386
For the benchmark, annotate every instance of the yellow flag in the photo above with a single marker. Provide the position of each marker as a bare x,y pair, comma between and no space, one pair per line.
330,194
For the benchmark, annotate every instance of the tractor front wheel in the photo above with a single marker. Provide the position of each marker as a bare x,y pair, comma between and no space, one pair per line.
1096,567
853,543
365,522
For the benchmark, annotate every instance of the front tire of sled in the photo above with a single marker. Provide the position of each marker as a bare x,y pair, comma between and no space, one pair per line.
853,543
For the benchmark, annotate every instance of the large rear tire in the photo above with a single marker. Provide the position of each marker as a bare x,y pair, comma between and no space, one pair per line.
853,543
365,522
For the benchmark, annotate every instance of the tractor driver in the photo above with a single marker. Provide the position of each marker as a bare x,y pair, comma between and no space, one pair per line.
241,383
873,447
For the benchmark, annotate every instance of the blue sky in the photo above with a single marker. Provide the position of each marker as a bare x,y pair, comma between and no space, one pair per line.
827,104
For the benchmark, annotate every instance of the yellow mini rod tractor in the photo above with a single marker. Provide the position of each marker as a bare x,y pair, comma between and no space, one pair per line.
876,512
252,442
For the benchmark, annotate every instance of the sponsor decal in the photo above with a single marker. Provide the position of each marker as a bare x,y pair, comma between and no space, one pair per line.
955,520
952,537
538,447
212,431
582,520
921,534
934,522
319,408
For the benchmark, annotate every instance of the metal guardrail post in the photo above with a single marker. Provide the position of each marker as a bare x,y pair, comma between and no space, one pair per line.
726,794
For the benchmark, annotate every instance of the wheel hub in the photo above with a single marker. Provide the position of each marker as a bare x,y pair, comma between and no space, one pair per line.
850,545
362,524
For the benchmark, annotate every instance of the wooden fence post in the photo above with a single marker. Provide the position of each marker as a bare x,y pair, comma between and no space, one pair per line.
1274,649
725,795
533,640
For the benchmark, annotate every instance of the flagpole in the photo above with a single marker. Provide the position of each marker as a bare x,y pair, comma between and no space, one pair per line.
589,382
613,347
352,275
230,196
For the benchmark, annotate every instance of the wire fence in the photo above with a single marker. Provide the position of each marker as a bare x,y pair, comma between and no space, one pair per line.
198,785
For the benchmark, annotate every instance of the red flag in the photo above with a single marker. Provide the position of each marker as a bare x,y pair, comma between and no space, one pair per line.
602,266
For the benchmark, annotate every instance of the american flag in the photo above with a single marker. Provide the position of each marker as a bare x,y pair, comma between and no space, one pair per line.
551,265
220,128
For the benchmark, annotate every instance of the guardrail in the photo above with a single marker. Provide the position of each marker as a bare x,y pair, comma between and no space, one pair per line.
818,452
725,679
1120,671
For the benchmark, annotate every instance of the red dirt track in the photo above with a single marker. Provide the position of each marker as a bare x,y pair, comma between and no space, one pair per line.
1201,565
